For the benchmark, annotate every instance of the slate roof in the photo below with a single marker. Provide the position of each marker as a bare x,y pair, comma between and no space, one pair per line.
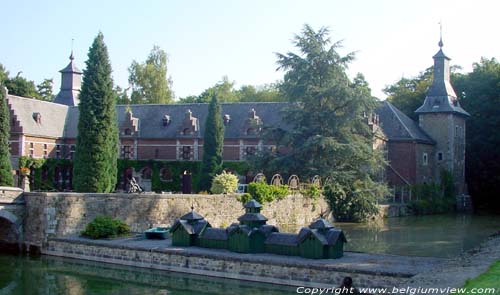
252,217
399,127
282,239
214,234
253,204
151,118
191,216
321,223
62,121
53,116
328,238
190,228
441,98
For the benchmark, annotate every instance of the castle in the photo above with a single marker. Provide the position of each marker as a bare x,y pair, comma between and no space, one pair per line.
417,152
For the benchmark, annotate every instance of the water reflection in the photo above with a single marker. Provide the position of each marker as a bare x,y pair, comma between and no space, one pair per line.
436,235
49,275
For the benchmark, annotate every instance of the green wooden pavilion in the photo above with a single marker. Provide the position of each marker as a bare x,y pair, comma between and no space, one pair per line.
186,229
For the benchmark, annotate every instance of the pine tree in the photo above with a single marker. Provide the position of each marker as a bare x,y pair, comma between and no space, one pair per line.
212,145
6,178
95,163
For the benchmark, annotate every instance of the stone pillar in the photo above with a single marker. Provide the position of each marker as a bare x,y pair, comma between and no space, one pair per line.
25,183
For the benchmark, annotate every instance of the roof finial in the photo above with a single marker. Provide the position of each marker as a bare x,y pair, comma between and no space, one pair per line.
72,57
440,34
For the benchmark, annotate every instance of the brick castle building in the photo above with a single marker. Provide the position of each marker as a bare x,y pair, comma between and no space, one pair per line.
416,151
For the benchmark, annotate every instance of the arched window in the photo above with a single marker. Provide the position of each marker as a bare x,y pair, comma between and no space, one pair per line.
146,173
165,174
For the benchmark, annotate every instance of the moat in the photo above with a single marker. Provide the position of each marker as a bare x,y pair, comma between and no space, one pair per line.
437,236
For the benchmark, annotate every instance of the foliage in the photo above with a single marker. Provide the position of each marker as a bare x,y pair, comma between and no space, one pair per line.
479,93
328,136
224,183
105,227
176,169
245,198
45,90
263,192
97,141
213,141
6,178
226,92
21,86
432,198
311,191
149,80
41,168
121,96
488,279
353,201
408,94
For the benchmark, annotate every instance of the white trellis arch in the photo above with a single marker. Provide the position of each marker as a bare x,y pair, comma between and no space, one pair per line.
294,182
277,180
259,177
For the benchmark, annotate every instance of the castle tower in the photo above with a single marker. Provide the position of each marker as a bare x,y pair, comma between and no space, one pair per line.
71,80
442,117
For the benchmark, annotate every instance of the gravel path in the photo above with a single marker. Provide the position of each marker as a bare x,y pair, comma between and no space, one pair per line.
456,271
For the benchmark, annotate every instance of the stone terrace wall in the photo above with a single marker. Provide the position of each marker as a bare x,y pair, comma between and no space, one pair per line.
59,214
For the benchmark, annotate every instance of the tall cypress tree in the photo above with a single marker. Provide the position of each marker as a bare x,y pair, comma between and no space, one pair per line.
96,154
212,145
6,178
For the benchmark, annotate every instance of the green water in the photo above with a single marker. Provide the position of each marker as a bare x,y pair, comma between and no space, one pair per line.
438,236
433,235
50,275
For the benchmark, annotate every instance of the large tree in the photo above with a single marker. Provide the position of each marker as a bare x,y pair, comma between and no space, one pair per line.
96,154
479,93
328,135
149,80
6,178
45,90
213,141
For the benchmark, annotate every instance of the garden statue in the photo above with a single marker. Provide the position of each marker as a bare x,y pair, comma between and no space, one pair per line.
133,186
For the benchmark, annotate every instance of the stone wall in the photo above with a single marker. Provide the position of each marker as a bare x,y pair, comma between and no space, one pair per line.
262,268
59,214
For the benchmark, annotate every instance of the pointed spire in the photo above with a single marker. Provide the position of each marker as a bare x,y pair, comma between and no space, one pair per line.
440,44
441,97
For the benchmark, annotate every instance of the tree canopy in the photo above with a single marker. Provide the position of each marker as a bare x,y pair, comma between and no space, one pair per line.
149,80
328,134
226,92
213,141
95,163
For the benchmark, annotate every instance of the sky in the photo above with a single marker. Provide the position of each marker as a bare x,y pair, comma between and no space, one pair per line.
207,40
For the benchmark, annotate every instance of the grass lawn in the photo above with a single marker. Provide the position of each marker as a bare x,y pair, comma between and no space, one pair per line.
488,279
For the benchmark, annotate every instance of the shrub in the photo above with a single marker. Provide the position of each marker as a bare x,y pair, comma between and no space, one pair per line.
353,201
245,198
105,227
263,192
311,191
224,183
434,198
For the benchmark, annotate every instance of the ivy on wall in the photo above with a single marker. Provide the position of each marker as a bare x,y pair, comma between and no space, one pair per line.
176,169
43,171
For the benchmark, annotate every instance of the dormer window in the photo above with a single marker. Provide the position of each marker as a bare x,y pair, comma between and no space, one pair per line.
37,117
166,120
226,118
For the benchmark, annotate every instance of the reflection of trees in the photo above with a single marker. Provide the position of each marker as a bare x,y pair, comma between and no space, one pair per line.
48,275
